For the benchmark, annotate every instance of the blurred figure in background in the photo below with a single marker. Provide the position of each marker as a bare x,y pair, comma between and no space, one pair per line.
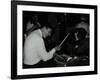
78,42
31,25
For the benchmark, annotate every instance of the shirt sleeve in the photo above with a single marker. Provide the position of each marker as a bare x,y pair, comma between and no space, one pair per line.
44,55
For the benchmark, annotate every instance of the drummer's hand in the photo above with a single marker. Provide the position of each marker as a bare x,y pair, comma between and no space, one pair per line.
57,48
75,57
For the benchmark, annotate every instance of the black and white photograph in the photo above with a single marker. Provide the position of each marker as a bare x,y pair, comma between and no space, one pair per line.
55,39
50,39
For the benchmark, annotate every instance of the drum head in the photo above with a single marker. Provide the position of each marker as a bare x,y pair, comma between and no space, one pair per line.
62,60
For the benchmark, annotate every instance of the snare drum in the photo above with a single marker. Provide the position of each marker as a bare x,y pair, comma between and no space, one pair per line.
62,60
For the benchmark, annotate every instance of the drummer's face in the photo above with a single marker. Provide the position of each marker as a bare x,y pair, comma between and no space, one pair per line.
48,32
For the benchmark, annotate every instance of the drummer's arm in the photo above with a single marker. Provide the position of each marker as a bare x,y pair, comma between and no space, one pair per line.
44,55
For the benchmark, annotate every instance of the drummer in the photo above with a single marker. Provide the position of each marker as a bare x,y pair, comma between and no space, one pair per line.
35,54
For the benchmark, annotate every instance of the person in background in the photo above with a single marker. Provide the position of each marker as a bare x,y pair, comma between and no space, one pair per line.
35,54
78,44
83,36
78,41
31,25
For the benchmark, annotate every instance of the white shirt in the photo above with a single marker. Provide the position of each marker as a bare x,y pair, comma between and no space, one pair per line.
34,49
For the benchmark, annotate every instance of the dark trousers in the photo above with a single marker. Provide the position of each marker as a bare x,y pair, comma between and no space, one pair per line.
38,65
41,64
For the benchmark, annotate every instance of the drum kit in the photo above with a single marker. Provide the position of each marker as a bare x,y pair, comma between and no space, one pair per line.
66,60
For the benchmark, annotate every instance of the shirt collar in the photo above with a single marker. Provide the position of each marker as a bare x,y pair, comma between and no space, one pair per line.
40,32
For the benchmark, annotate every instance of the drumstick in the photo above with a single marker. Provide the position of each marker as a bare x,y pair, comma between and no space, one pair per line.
64,40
